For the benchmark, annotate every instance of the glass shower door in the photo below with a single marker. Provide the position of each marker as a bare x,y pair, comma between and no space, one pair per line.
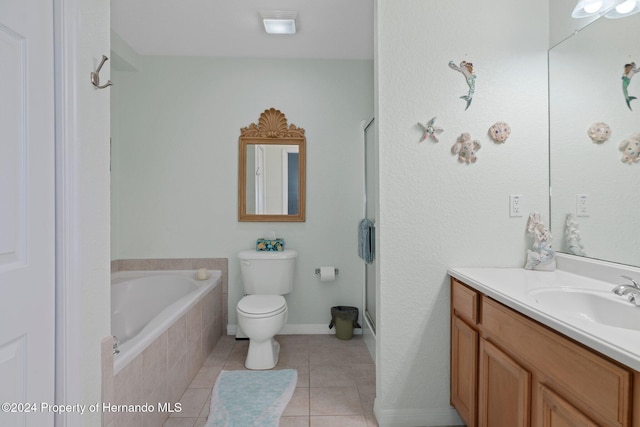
371,203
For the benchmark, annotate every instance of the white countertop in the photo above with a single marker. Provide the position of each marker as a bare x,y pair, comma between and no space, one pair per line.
512,287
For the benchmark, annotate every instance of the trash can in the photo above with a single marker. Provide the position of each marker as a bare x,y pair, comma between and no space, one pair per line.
345,319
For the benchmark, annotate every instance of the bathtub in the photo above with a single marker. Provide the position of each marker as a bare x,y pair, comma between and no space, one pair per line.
145,304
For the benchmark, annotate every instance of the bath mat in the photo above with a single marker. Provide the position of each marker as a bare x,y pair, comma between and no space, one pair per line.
251,398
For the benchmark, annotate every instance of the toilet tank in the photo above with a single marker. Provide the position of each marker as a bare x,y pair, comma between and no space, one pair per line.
267,273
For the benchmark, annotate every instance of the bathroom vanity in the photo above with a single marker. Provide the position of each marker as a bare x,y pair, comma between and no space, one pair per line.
531,349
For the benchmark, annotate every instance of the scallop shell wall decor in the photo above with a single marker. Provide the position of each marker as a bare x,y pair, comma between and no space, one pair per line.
272,124
599,132
500,132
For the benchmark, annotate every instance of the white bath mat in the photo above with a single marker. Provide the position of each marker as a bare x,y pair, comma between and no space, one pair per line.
251,398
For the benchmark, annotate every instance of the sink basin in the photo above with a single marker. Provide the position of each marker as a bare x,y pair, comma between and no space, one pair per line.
601,307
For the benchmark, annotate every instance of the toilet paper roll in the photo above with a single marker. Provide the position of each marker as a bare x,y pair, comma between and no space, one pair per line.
327,273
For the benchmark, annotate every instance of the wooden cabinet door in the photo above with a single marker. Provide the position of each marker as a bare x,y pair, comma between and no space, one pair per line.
464,370
554,411
504,390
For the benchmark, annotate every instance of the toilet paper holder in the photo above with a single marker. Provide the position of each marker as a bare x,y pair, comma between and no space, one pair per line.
318,271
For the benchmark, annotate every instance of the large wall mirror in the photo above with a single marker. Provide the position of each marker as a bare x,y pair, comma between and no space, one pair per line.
271,170
586,87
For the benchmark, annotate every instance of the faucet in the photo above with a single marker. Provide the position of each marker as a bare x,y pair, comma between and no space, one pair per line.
626,288
116,343
634,298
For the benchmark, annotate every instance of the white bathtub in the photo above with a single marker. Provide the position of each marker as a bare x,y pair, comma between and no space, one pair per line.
144,304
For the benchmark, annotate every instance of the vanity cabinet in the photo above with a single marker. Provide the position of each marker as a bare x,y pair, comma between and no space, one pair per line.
508,370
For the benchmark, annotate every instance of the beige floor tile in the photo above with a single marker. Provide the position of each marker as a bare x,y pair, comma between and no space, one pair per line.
330,376
206,377
192,402
206,408
180,422
202,421
371,420
294,422
336,381
339,421
335,401
299,403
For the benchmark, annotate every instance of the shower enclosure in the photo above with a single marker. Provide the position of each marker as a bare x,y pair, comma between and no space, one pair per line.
370,209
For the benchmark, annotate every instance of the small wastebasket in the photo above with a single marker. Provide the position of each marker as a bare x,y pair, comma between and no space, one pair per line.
345,319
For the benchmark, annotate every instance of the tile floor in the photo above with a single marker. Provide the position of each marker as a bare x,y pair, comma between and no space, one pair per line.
336,382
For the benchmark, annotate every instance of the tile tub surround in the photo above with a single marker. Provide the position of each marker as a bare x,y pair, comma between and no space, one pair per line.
221,264
162,372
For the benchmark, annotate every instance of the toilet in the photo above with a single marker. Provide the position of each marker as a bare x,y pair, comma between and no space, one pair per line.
262,312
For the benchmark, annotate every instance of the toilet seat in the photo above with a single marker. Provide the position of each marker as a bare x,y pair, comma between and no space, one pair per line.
260,306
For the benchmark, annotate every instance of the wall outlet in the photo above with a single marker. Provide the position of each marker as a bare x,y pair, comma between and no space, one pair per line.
515,205
582,205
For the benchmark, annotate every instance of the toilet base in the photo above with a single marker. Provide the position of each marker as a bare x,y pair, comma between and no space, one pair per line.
262,355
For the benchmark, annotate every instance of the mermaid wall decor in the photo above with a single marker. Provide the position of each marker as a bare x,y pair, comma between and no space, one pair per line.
466,68
629,71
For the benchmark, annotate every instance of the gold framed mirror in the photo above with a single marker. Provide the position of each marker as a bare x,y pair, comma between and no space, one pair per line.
271,170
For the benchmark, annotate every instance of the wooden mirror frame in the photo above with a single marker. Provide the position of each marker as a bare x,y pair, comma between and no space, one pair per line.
272,129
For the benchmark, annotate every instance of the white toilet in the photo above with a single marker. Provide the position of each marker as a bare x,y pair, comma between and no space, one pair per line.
262,312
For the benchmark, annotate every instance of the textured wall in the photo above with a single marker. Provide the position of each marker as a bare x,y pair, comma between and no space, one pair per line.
434,211
176,124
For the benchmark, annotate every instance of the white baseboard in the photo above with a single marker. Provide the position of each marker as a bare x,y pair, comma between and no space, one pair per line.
428,417
298,329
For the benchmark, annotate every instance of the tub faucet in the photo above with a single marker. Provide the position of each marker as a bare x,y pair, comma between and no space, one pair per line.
634,297
626,288
116,342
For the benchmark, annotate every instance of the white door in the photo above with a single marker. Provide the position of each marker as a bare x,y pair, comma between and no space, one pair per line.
27,239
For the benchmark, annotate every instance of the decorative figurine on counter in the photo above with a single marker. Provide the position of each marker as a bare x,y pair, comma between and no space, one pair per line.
572,237
629,71
599,132
429,130
542,257
466,149
466,68
631,149
500,131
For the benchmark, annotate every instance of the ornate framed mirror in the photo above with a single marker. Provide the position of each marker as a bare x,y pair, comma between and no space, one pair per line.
271,170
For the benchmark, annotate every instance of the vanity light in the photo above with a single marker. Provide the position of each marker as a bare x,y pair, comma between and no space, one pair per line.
279,21
627,8
586,8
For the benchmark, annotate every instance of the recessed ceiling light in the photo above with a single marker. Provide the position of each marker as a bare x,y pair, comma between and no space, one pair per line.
279,21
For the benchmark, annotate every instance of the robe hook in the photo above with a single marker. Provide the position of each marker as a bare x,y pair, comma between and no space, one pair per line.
95,75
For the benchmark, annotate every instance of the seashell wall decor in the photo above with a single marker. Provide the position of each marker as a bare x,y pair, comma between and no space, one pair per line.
631,149
466,149
500,132
430,130
599,132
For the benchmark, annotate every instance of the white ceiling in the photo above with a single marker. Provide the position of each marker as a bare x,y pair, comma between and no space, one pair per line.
327,29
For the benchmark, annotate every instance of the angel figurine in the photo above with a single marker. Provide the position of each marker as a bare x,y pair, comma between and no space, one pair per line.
542,257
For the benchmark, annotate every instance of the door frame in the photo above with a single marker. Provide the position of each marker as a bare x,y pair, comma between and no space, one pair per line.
68,382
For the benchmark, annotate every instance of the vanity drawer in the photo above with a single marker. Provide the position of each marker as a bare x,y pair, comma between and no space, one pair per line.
598,387
464,301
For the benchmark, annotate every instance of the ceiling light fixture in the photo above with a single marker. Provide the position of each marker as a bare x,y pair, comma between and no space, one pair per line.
586,8
279,21
627,8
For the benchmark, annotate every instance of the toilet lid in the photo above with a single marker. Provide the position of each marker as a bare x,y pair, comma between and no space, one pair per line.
262,304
